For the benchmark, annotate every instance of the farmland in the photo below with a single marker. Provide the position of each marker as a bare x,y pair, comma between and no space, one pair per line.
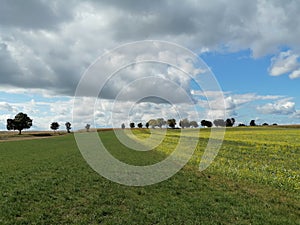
253,180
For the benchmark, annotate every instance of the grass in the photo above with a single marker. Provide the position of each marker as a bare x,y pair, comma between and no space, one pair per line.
253,180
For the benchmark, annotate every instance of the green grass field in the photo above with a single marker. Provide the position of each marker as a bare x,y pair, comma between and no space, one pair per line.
253,180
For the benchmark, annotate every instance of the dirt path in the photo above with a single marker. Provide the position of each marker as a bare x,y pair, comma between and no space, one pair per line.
13,136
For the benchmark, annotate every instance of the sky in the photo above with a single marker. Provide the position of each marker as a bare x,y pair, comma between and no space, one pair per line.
251,47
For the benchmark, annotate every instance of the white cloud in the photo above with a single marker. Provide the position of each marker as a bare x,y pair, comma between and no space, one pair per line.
232,101
295,74
284,63
296,115
4,106
107,113
280,107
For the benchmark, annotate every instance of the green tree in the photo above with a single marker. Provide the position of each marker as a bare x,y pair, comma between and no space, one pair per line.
68,126
230,122
252,123
160,122
206,123
184,123
219,123
54,126
153,123
20,122
171,123
194,124
87,127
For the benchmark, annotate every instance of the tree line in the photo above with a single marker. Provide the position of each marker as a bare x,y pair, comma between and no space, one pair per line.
160,122
22,121
185,123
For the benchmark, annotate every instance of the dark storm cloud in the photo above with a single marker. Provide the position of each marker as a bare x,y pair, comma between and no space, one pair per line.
8,66
33,14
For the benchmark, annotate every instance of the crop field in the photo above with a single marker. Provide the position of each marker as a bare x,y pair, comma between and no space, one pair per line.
254,179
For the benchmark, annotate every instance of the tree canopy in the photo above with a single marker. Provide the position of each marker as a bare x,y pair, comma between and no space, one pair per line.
171,123
206,123
87,127
20,122
194,124
160,122
54,126
252,123
219,123
153,123
184,123
230,122
68,126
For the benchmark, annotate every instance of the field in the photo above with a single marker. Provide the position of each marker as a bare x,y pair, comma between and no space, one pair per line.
253,180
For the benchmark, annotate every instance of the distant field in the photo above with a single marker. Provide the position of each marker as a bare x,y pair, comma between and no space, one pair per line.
253,180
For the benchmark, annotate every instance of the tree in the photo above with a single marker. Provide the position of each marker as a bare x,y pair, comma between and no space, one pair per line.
153,123
147,125
241,125
206,123
132,125
230,122
171,123
184,123
20,122
274,124
140,125
252,123
194,124
123,126
160,122
265,124
54,126
68,126
219,123
87,127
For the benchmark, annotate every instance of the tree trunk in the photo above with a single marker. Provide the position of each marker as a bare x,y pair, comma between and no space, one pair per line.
20,132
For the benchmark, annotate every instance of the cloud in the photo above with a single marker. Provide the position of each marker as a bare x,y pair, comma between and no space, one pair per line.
49,45
45,48
295,74
232,101
280,107
213,103
4,106
285,62
46,15
296,114
110,113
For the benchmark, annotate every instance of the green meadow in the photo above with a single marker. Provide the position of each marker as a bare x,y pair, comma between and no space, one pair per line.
254,179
